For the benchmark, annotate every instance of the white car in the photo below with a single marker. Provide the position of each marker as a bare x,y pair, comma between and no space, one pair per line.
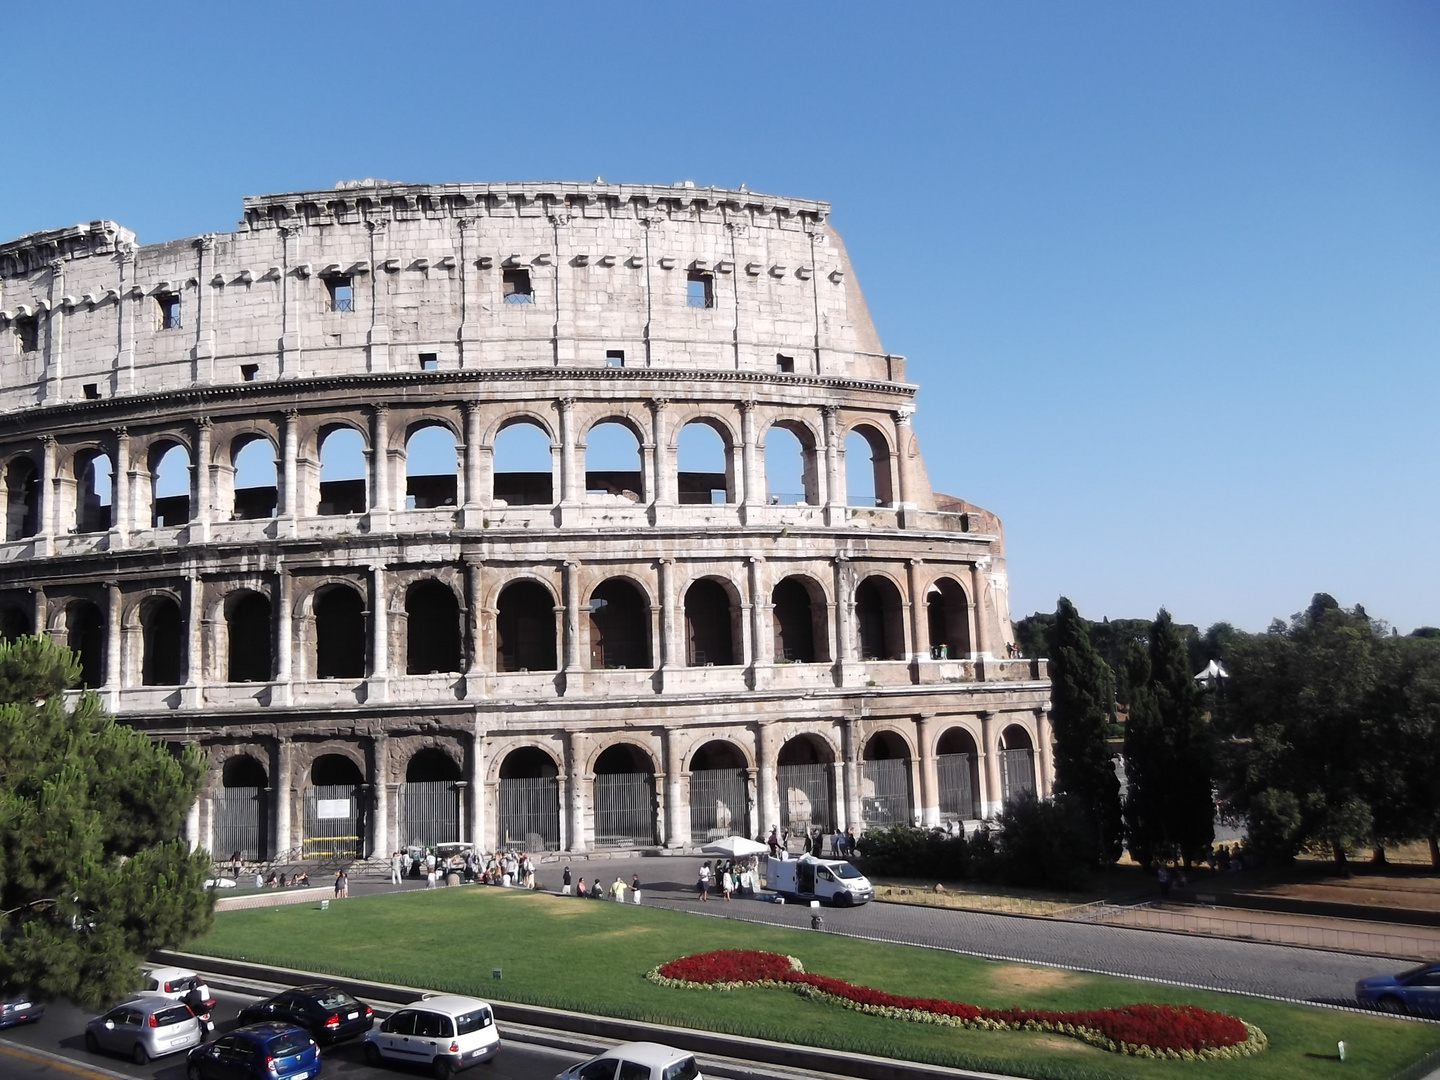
446,1032
182,984
637,1061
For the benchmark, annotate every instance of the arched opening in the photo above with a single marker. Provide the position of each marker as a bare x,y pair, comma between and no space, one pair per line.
1017,763
429,803
162,636
248,634
529,798
957,765
430,468
523,473
619,626
612,462
709,625
719,792
805,775
169,484
525,628
241,810
22,499
790,465
624,797
880,623
342,472
15,622
947,612
798,621
85,637
256,489
334,809
867,468
703,471
339,634
885,781
94,473
432,629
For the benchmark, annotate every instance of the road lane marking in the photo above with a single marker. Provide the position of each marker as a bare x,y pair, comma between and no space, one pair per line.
64,1064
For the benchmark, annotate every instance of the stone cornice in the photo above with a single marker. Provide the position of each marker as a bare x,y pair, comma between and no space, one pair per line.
37,250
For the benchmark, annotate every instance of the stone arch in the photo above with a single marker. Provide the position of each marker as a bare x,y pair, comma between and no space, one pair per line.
22,497
805,778
83,630
434,641
335,803
249,636
528,798
619,625
94,471
704,456
162,640
340,631
525,635
240,808
430,764
719,782
255,482
608,468
879,619
789,449
341,450
1016,748
799,621
169,469
886,793
713,634
957,767
523,456
868,459
335,764
432,467
15,621
625,803
947,614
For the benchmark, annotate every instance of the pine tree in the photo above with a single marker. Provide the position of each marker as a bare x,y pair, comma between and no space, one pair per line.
91,874
1080,692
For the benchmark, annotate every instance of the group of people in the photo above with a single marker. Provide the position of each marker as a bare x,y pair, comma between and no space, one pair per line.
597,890
842,844
730,879
278,881
507,868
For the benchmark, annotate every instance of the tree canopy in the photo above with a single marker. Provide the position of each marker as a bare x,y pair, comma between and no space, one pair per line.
92,876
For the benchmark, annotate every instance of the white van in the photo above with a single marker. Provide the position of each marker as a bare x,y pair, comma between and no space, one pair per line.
809,878
444,1033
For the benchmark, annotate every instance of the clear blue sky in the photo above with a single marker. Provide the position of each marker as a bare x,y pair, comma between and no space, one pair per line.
1168,275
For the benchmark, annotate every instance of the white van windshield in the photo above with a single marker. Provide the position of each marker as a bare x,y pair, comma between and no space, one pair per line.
846,872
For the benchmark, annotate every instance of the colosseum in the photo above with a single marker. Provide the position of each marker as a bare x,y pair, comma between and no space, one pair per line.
556,516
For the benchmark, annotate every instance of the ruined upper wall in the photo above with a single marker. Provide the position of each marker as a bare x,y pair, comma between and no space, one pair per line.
84,312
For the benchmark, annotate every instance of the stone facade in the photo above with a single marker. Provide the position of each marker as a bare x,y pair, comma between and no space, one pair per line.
386,625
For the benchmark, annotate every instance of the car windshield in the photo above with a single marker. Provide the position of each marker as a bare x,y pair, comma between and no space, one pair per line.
472,1021
1417,971
332,998
846,872
287,1043
177,1014
682,1070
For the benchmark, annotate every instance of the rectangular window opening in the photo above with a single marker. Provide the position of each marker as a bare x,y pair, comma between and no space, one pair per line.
92,391
429,361
169,311
342,293
516,284
615,358
249,372
699,289
27,328
784,364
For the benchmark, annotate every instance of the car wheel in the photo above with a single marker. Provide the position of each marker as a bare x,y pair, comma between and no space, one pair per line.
91,1043
140,1056
441,1069
193,1072
1392,1004
372,1054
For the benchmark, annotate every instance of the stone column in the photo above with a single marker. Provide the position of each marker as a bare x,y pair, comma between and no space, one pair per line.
477,491
752,489
200,516
120,488
284,807
569,495
572,616
49,509
113,634
475,652
475,793
767,782
203,352
662,493
677,807
196,627
992,791
982,625
291,510
904,446
42,610
55,332
1044,753
379,632
192,824
929,772
380,467
833,497
668,657
380,842
575,784
853,750
284,636
844,638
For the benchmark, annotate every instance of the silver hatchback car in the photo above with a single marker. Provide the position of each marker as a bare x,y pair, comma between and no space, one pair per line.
144,1027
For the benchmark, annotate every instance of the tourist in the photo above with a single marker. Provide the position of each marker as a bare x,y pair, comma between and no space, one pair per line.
235,866
727,883
774,841
565,882
580,888
703,885
396,867
850,843
635,887
617,890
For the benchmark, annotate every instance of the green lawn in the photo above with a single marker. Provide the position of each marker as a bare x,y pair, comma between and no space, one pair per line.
591,957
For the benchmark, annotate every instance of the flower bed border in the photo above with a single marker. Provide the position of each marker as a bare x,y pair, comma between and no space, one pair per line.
786,972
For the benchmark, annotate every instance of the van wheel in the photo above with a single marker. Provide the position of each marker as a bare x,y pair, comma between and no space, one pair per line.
91,1043
140,1057
193,1072
441,1069
372,1054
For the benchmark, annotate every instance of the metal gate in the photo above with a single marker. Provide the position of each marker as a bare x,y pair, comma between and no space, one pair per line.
429,813
888,798
332,822
624,810
805,796
957,785
529,813
718,802
1017,773
241,823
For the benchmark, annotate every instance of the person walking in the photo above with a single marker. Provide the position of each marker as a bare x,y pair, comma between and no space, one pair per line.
774,842
397,862
338,875
850,842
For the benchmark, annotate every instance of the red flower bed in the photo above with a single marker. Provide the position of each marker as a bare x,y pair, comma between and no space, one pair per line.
1161,1027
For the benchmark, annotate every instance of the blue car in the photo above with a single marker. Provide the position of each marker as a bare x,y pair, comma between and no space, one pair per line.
257,1052
1416,991
20,1011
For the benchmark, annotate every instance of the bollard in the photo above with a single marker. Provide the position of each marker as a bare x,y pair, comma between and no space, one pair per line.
817,922
324,905
1342,1049
494,973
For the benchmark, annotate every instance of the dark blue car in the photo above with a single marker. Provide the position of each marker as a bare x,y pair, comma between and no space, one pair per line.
1416,991
257,1052
20,1011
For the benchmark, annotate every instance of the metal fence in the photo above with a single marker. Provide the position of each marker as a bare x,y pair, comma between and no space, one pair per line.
805,796
529,813
1017,773
887,792
429,813
718,802
956,773
624,810
332,822
241,823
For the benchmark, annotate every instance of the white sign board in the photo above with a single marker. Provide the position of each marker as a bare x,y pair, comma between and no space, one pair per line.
332,808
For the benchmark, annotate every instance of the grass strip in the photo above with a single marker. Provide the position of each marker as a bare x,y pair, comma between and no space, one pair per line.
592,957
